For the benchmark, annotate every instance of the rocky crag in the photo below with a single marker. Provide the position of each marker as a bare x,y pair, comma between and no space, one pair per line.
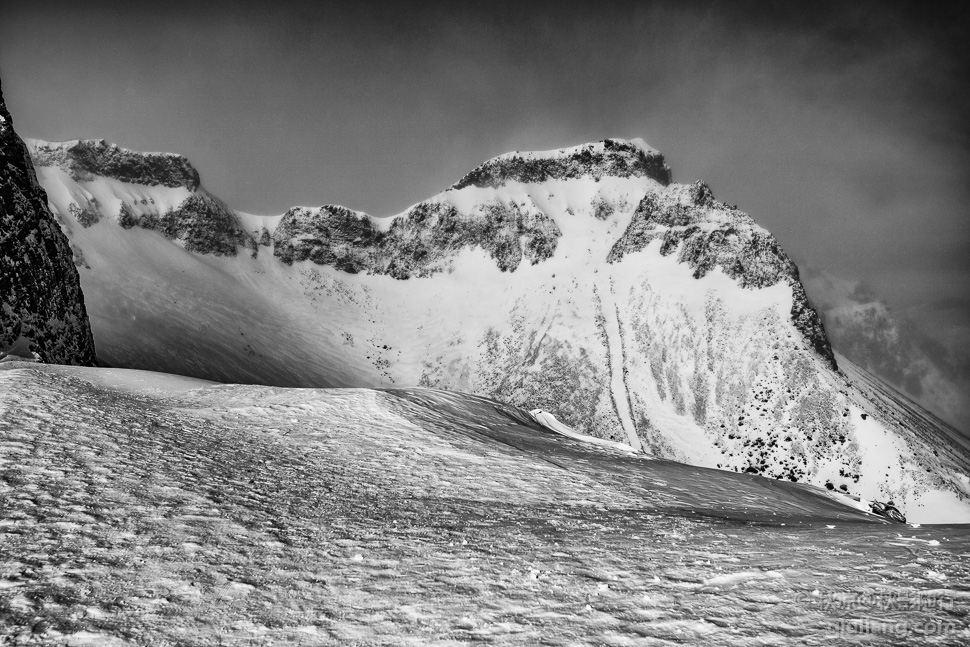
198,221
706,234
610,158
420,243
85,159
41,304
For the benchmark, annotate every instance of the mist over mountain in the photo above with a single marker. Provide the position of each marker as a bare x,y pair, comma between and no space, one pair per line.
893,346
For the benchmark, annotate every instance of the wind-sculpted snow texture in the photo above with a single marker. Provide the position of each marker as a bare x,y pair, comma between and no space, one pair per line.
578,281
40,292
150,509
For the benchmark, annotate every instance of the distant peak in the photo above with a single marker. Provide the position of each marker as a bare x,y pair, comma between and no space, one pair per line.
607,158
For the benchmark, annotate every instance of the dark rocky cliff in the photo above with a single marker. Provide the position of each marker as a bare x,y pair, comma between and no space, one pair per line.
40,291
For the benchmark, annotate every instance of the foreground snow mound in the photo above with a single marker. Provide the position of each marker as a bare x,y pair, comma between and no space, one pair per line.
477,440
142,508
580,281
549,421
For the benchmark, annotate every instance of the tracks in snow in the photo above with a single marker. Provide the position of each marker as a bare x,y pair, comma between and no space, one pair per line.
621,399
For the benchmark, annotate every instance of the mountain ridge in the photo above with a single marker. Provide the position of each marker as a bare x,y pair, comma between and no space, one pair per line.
353,241
610,157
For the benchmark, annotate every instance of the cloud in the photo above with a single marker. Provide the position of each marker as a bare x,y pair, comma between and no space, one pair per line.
841,127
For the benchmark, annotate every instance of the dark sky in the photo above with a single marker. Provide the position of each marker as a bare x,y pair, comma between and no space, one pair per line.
842,128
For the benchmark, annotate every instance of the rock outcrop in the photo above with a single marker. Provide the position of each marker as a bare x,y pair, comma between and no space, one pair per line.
40,292
611,157
198,221
85,159
707,234
419,243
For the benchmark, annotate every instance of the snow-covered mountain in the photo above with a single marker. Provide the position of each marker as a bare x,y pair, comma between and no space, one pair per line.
42,312
581,281
867,331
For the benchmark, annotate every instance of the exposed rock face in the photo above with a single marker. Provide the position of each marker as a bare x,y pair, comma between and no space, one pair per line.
612,157
708,235
198,221
40,292
85,159
419,243
201,223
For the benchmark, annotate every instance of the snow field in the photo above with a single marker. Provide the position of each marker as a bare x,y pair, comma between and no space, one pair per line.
144,509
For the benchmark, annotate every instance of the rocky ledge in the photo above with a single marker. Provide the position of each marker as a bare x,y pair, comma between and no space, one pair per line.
611,157
201,223
418,243
84,159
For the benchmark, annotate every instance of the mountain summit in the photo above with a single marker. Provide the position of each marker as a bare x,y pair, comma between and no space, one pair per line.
580,281
608,158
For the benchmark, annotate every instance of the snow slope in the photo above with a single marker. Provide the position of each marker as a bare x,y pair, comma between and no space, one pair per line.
142,508
579,281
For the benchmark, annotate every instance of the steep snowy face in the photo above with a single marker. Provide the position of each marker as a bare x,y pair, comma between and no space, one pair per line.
41,304
579,281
